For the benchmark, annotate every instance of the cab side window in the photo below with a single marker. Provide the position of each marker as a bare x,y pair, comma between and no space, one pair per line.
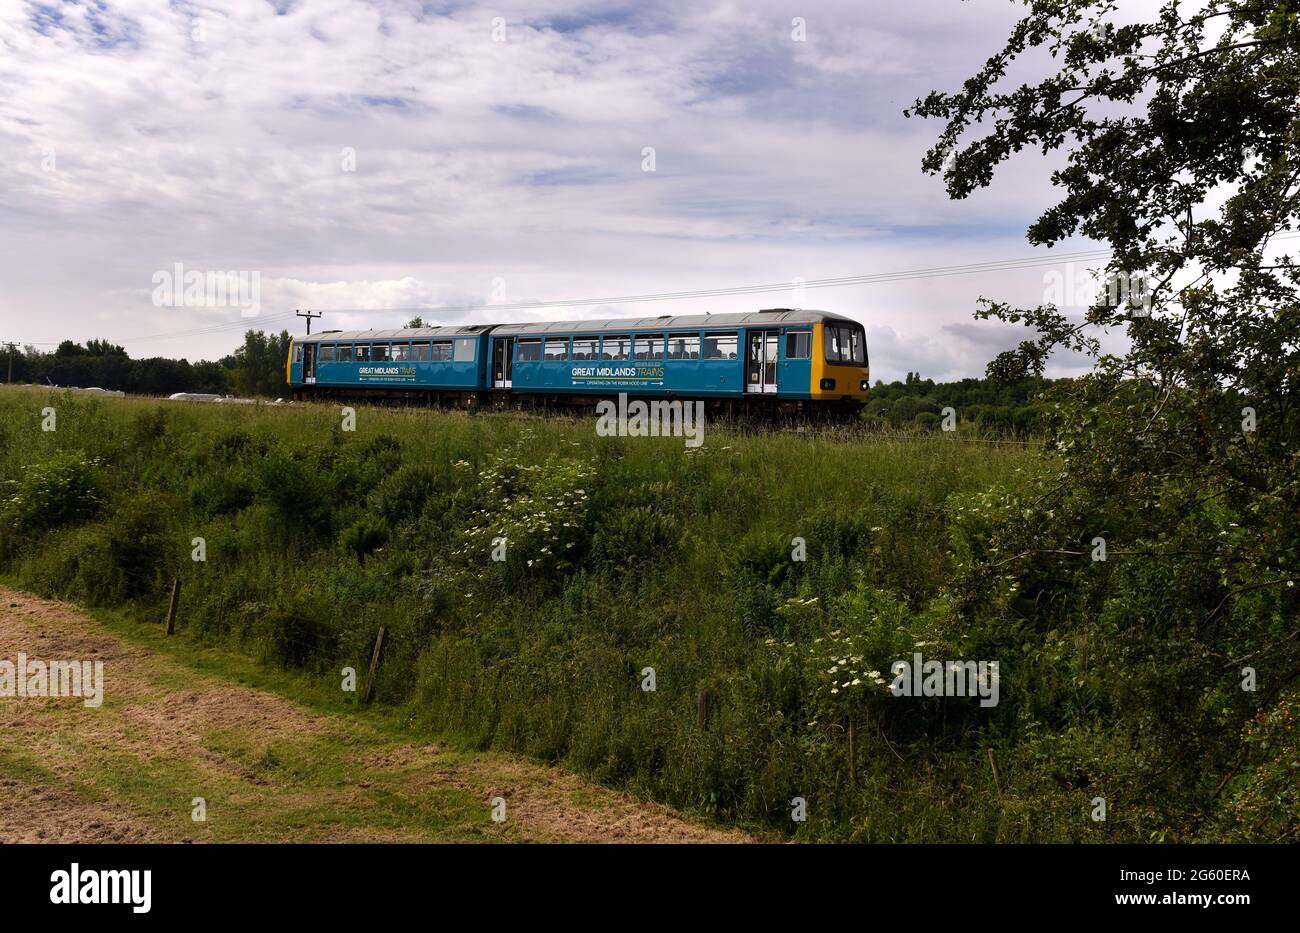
832,343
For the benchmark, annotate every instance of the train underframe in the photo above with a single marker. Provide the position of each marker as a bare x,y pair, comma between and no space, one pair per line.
738,407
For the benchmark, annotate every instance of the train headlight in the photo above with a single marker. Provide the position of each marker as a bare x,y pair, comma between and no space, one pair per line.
863,385
828,385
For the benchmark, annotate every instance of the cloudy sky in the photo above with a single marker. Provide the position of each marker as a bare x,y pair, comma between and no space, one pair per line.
394,155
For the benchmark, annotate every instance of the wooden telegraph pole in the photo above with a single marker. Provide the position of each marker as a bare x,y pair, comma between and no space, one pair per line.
308,315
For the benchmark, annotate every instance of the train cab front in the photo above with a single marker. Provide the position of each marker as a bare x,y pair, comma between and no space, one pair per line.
840,371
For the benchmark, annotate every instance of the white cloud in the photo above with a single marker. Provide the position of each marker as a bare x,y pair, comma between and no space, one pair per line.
215,137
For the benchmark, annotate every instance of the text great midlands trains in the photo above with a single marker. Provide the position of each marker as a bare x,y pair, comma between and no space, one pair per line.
779,360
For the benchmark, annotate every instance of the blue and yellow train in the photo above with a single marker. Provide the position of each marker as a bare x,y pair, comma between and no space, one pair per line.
784,360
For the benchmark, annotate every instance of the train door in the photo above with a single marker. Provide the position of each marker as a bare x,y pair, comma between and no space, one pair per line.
760,361
309,363
503,351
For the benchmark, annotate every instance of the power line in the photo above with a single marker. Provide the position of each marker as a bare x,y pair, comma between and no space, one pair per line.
933,272
205,330
837,282
281,317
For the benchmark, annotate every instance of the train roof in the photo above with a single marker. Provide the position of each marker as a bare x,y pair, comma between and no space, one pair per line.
783,316
407,333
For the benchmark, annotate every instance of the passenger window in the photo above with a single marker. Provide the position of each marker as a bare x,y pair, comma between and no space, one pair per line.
401,352
420,351
798,345
557,349
363,352
528,351
379,353
440,352
327,353
683,346
464,350
650,347
616,348
584,348
719,346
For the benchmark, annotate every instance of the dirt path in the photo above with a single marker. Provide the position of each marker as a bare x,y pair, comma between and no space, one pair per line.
264,768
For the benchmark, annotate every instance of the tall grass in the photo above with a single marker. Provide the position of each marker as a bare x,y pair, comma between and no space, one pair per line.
622,556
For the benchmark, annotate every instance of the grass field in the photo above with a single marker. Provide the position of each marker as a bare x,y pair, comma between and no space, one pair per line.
765,581
628,564
621,555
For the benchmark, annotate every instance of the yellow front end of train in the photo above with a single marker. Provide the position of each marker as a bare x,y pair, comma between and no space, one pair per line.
840,368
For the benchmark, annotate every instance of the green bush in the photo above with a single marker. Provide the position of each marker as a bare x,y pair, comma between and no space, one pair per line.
630,536
364,536
401,496
142,550
61,490
223,491
297,634
298,487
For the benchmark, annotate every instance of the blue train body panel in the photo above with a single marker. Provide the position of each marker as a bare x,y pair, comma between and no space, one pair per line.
404,373
392,359
635,377
780,354
695,362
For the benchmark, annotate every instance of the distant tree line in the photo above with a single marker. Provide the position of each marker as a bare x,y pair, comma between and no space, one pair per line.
1013,409
254,369
257,369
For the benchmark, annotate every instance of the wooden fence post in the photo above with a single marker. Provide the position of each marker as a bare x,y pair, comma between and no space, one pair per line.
374,666
702,709
853,756
997,775
171,609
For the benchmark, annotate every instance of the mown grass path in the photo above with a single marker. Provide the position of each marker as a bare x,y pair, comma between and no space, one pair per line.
269,768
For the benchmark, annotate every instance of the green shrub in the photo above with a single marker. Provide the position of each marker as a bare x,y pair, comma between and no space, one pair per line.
401,495
365,536
763,557
300,491
223,491
149,425
127,556
141,549
631,536
61,490
297,634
